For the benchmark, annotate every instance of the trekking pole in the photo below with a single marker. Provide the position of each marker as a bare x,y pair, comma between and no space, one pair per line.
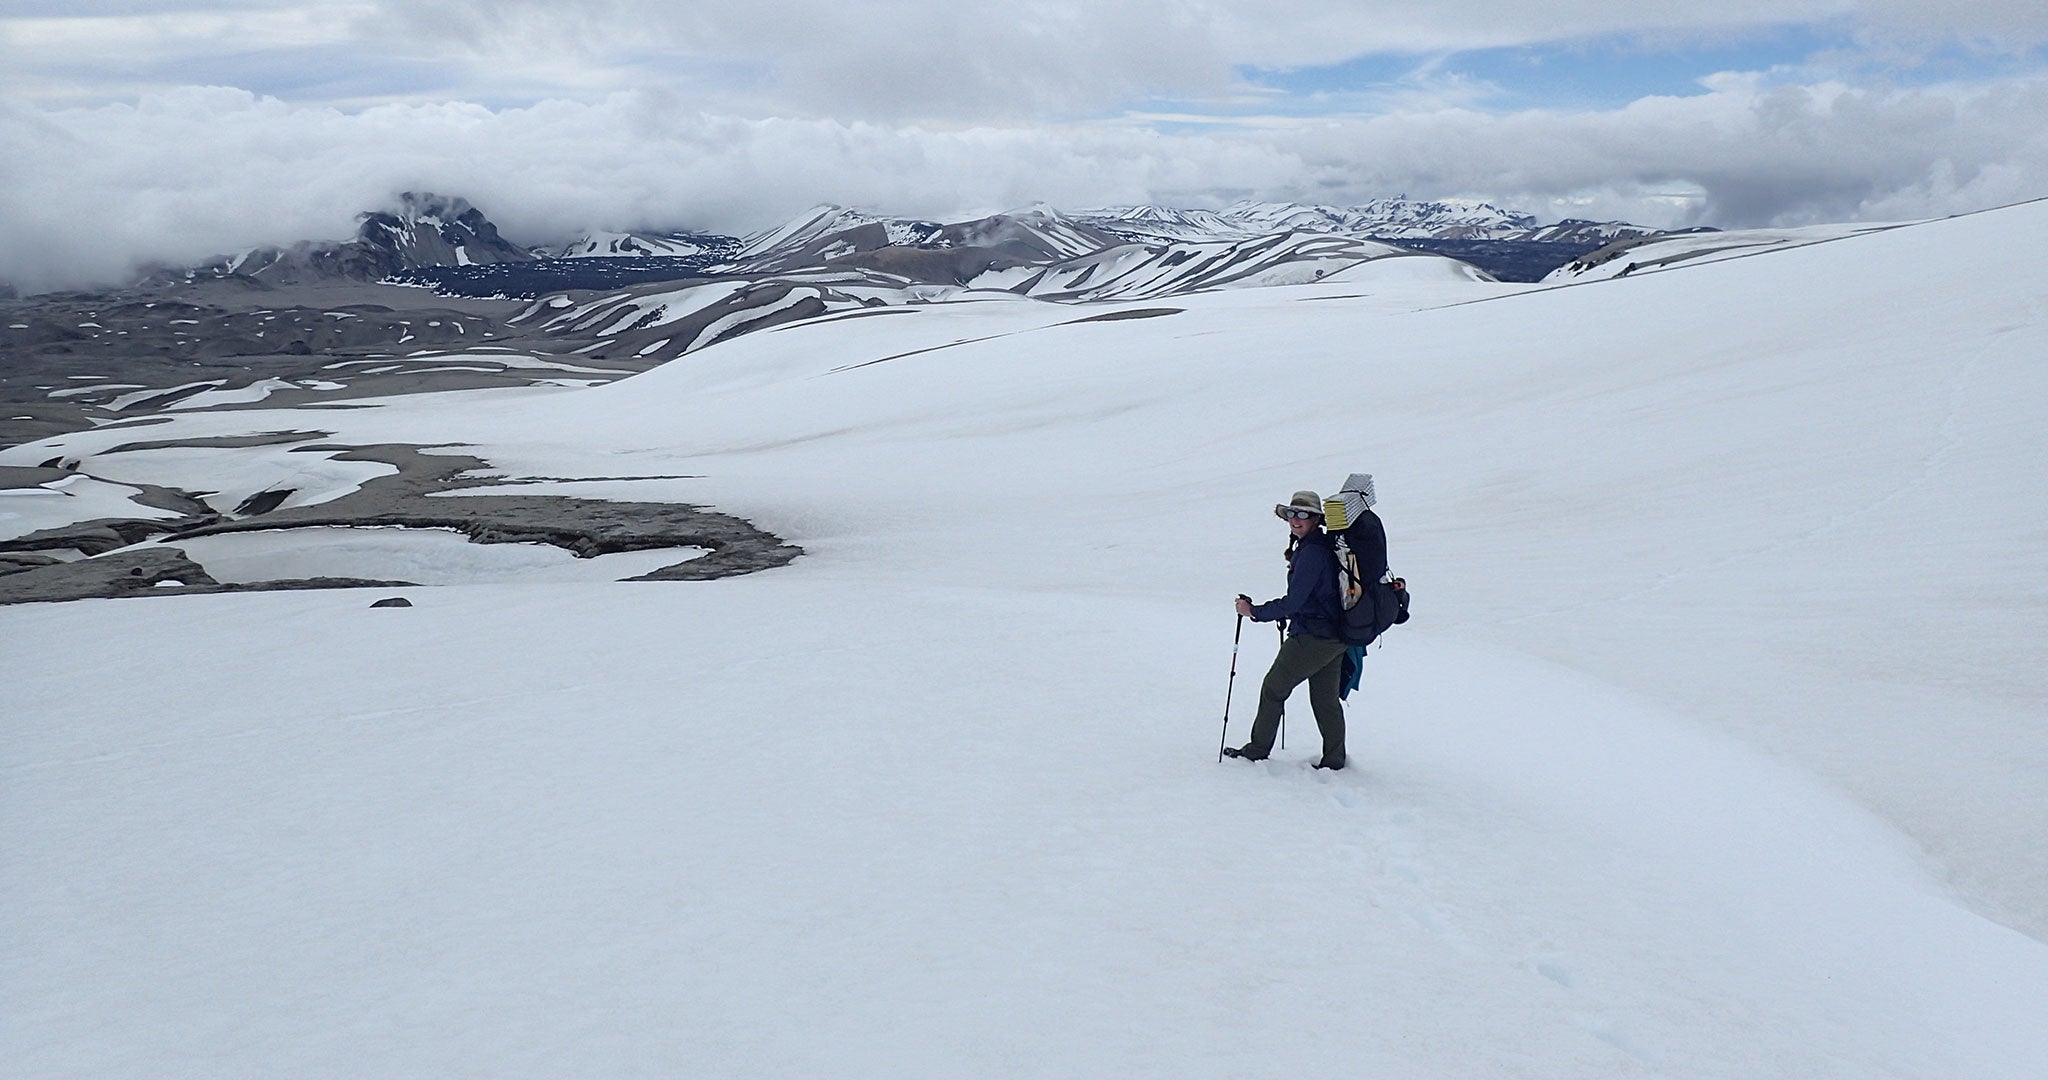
1228,691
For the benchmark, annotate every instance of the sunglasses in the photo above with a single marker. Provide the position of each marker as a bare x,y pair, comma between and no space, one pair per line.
1295,513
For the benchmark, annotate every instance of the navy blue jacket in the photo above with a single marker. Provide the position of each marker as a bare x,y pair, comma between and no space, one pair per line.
1312,603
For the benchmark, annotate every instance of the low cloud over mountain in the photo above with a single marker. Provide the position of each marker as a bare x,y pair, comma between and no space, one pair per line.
177,176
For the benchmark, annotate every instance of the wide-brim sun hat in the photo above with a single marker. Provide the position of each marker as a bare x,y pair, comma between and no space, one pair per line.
1302,500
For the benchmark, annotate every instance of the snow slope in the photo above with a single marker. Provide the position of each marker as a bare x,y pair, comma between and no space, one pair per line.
1662,252
1715,749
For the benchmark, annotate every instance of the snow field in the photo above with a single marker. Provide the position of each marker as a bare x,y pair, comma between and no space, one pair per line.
426,556
672,848
228,477
1711,749
71,499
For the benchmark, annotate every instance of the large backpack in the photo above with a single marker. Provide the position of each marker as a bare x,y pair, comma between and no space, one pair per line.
1372,599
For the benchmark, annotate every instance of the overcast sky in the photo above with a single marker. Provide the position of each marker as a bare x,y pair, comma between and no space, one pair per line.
134,131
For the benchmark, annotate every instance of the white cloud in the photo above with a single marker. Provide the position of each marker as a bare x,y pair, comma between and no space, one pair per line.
90,52
181,31
1754,154
887,61
925,58
892,61
557,116
196,172
2005,24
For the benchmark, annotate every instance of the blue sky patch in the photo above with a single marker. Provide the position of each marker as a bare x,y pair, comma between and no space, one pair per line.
1610,72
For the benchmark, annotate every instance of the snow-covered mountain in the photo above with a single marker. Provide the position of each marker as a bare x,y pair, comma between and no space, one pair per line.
434,230
1038,234
1161,224
1386,219
1135,272
836,236
827,234
1582,231
645,244
432,240
423,230
824,233
1394,218
1075,255
658,322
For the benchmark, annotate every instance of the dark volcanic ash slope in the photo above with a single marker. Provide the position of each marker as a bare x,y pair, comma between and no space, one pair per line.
68,361
280,326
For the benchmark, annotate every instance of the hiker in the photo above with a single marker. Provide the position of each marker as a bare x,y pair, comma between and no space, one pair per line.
1312,651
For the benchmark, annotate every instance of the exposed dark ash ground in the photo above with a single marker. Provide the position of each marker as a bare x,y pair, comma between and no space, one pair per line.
69,362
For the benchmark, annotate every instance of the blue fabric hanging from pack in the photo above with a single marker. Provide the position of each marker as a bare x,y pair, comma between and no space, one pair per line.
1354,666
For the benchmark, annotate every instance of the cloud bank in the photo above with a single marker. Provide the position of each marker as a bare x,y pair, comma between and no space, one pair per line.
556,118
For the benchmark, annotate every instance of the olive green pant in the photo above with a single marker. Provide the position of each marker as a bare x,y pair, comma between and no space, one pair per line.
1321,664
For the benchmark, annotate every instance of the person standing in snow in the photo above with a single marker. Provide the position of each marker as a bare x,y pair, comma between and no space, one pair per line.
1312,652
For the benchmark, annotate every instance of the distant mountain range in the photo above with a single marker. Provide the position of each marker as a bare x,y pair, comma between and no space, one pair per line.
280,320
663,320
1381,219
445,242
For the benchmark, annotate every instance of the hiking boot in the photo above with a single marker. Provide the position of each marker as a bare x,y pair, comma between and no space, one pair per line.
1246,752
1330,763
